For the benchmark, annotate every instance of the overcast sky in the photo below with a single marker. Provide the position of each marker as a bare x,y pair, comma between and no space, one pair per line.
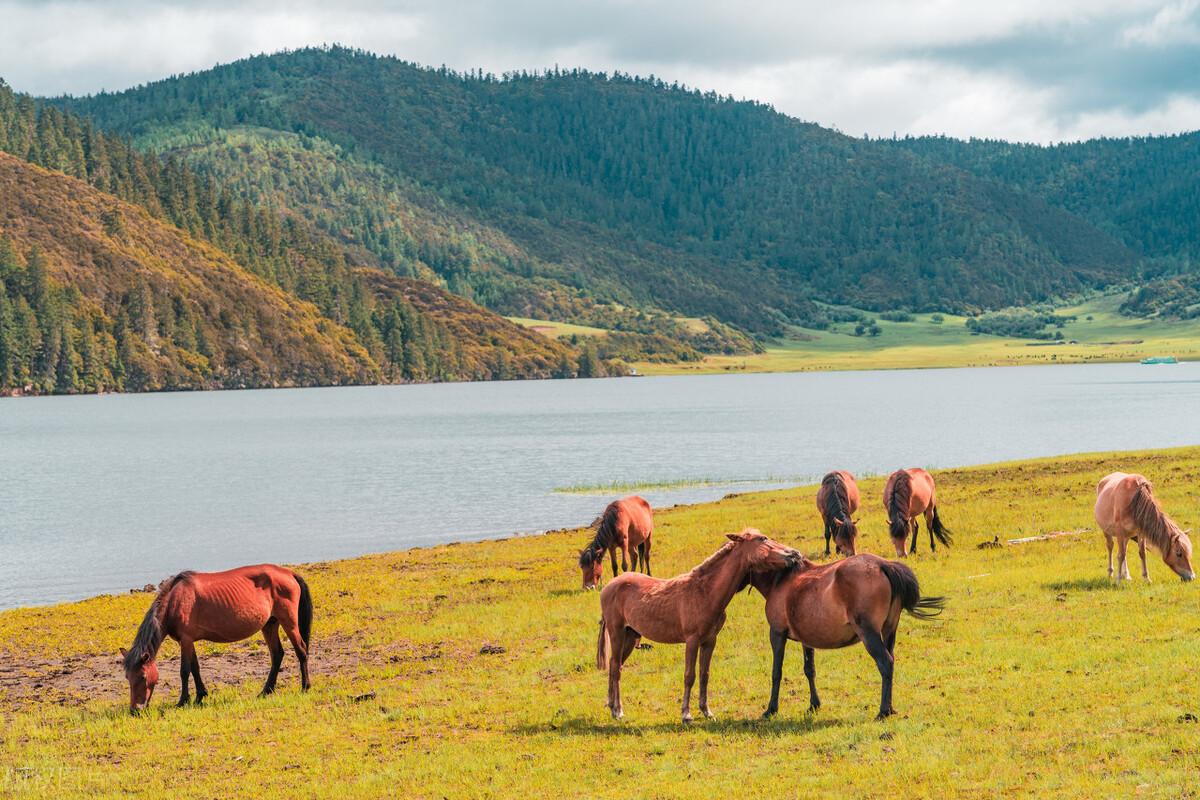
1031,70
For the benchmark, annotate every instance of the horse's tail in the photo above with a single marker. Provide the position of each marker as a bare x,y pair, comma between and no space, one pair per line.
602,647
939,530
906,589
898,508
306,611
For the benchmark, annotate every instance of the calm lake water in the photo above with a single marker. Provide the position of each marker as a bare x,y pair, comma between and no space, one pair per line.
100,494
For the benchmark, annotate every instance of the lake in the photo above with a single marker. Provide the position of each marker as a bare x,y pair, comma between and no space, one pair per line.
101,494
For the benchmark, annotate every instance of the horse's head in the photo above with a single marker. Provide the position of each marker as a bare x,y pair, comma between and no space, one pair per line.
845,536
142,674
898,529
763,554
1179,557
591,564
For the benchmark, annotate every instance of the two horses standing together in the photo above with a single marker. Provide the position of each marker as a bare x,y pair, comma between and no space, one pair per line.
836,605
907,494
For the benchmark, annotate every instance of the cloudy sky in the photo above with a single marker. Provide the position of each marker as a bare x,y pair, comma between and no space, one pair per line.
1031,70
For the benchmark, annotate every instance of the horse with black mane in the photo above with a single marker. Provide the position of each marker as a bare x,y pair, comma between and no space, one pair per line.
908,494
858,599
219,607
626,524
837,500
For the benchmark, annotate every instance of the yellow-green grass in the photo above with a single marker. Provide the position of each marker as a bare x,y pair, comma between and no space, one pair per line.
1107,336
1040,680
557,330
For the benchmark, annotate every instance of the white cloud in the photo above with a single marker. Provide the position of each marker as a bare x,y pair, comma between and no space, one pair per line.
1024,69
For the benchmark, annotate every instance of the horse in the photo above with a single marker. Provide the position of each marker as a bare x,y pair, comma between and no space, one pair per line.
1127,508
688,609
858,599
628,524
910,492
219,607
837,500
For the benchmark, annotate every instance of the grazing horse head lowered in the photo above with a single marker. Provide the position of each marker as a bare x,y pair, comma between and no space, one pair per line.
837,500
221,607
688,609
626,525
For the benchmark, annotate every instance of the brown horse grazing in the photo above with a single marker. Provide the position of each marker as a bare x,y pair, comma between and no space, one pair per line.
858,599
837,500
910,492
1126,508
220,607
627,524
688,609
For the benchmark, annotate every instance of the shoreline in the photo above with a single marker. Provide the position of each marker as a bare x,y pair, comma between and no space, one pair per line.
752,495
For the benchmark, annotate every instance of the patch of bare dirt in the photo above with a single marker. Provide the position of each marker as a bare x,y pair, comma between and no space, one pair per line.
27,682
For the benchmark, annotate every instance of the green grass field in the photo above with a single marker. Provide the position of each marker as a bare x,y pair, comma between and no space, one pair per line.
1040,680
1107,336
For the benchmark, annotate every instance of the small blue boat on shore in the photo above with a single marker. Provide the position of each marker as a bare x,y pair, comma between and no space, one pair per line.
1160,360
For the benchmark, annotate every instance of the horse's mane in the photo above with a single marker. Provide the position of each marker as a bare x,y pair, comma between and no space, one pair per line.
710,563
1159,529
150,633
605,527
838,499
898,508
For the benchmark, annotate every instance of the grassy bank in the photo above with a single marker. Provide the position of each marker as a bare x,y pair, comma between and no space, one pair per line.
1040,679
1098,334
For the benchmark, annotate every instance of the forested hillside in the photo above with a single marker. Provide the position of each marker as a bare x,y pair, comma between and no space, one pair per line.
1142,191
576,186
125,272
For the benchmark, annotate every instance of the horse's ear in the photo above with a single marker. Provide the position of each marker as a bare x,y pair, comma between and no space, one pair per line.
857,520
146,656
735,537
122,649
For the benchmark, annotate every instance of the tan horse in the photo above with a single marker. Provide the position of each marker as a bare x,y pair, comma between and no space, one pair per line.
1127,508
837,500
219,607
689,609
907,494
627,524
858,599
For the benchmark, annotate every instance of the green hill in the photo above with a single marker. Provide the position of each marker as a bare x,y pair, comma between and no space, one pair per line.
550,192
124,272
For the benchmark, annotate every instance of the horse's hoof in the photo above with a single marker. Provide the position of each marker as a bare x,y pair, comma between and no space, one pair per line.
687,719
182,702
770,712
882,715
618,715
708,714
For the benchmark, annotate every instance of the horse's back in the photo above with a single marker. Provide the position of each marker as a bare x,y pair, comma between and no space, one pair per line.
235,603
1114,493
640,518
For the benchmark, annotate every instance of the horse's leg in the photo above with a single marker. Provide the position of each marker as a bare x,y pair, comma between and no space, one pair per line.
778,646
1122,564
300,646
616,640
612,552
884,661
187,651
1142,553
828,535
270,634
916,528
1109,542
810,672
625,554
633,560
929,527
706,652
646,556
201,692
631,642
689,677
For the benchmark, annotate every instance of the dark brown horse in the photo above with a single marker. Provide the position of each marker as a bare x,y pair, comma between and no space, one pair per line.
219,607
626,524
858,599
837,500
689,609
907,494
